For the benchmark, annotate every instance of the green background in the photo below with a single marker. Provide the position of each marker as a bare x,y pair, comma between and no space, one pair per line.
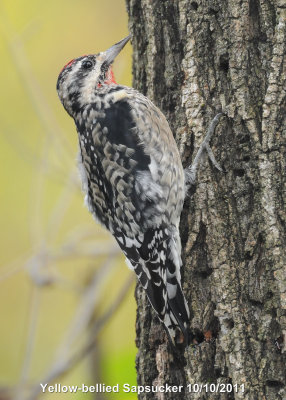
50,245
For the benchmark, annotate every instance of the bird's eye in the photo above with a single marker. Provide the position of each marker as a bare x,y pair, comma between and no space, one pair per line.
87,64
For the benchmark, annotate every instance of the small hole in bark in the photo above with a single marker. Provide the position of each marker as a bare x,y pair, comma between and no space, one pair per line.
246,158
212,11
244,139
269,294
273,312
224,62
273,383
248,256
256,303
196,337
194,5
229,323
263,37
205,274
214,327
239,172
217,372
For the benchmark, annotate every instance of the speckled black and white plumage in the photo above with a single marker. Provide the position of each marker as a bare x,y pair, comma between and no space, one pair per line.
132,178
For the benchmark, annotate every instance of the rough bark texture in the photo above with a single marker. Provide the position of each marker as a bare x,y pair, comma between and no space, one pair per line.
193,59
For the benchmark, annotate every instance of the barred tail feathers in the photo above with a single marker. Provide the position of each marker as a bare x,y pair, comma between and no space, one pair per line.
176,298
177,304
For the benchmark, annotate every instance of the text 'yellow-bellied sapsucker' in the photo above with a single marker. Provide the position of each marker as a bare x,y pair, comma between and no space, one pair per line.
132,176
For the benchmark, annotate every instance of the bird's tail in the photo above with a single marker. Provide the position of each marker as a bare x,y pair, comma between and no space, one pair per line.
157,264
166,297
177,323
177,316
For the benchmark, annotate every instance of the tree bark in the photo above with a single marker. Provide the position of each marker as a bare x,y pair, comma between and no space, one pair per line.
194,59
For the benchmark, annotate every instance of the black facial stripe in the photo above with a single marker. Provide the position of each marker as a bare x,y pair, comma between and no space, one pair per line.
87,64
104,66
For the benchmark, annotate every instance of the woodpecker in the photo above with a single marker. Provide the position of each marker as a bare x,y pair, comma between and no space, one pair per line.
132,177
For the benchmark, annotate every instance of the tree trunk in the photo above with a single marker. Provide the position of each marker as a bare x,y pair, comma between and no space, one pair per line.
194,59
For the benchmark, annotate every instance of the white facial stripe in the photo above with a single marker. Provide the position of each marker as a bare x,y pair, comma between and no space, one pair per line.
90,81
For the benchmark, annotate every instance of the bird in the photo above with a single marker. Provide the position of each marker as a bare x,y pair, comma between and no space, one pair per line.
132,177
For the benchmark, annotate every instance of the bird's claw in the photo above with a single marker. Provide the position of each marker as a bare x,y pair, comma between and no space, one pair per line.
191,171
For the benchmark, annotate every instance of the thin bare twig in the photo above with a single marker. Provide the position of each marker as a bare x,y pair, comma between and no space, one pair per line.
13,267
33,318
85,309
36,202
69,363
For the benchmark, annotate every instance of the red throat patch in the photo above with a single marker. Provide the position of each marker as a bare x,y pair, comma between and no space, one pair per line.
110,77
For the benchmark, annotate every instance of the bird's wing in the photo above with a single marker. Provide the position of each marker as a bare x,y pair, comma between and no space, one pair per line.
140,161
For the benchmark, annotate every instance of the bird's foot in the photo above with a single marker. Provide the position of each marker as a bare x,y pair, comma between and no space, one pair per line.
191,171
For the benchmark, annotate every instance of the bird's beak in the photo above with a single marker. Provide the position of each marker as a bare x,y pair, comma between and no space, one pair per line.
114,50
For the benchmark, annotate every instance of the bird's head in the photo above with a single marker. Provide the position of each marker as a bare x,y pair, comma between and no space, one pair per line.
79,79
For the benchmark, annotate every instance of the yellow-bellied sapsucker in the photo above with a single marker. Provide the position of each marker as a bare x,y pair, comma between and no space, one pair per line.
132,176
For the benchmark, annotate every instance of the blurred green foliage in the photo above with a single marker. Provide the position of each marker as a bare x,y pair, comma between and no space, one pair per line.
50,245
